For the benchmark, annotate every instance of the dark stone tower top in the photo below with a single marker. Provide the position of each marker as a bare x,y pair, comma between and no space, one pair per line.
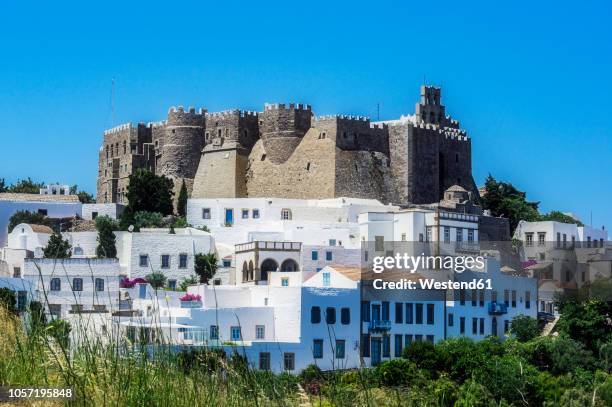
282,128
182,117
429,109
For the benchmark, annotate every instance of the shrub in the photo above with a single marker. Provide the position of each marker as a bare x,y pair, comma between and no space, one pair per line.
396,372
191,280
559,355
7,299
157,280
524,328
508,377
473,394
106,238
423,354
57,248
311,373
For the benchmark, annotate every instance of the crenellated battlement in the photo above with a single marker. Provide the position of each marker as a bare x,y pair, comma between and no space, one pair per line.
290,106
119,129
232,113
190,117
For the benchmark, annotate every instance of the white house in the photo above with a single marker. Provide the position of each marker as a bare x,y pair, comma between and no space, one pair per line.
24,241
54,206
73,286
93,210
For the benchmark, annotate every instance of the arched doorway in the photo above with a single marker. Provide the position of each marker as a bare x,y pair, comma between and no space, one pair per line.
268,265
250,275
245,271
289,265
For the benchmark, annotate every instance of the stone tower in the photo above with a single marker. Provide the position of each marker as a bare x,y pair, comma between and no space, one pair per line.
282,128
179,151
229,137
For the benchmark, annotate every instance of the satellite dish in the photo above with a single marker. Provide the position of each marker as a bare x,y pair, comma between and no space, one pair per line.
131,228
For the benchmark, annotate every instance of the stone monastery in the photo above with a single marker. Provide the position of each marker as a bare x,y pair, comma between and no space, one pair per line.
286,151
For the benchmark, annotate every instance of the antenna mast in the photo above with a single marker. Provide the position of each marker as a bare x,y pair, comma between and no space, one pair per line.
112,102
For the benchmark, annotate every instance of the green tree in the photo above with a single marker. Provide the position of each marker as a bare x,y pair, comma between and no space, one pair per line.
205,266
26,186
524,328
84,197
585,320
143,219
560,217
106,237
156,279
181,206
423,354
57,248
31,218
149,192
503,199
7,299
191,280
3,185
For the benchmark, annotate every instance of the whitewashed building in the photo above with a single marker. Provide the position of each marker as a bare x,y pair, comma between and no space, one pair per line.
93,210
24,241
73,286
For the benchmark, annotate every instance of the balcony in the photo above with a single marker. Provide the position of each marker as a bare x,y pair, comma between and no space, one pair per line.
379,326
497,308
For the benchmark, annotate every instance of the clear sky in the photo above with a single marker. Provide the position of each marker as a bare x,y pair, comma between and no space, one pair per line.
530,81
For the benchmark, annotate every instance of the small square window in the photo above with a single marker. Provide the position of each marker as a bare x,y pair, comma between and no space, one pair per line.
245,214
285,281
205,213
260,332
255,213
182,261
144,260
165,261
314,255
172,284
328,256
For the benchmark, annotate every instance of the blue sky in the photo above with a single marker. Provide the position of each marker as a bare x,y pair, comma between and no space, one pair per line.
530,81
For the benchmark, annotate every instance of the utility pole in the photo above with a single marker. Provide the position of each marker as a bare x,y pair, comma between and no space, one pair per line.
112,102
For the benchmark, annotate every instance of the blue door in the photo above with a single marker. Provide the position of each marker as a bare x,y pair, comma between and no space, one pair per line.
229,216
376,351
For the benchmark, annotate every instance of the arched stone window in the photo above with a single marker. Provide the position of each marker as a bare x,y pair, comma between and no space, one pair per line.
245,272
286,214
289,265
251,271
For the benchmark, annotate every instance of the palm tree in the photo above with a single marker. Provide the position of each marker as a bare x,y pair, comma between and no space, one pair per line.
205,266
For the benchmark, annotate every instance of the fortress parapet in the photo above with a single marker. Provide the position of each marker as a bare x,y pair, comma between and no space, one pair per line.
282,127
354,132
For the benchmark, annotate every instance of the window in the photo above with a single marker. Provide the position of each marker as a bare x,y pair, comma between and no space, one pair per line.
17,272
429,338
77,284
409,313
205,213
451,319
165,261
289,360
315,315
56,284
559,239
340,348
474,326
564,240
286,214
332,242
482,323
326,279
386,346
172,284
365,311
399,312
430,314
345,316
528,298
481,300
403,237
428,234
462,325
182,261
260,331
474,297
144,260
379,243
407,340
542,238
99,284
285,282
256,216
314,255
588,241
470,235
446,234
330,315
459,235
22,299
214,332
385,311
245,214
513,298
529,239
462,297
419,313
264,360
365,345
317,348
227,263
421,237
507,298
235,333
398,346
328,256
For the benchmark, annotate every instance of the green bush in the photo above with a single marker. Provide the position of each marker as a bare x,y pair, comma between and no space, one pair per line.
156,279
510,378
524,328
559,355
473,394
423,354
7,299
396,372
311,373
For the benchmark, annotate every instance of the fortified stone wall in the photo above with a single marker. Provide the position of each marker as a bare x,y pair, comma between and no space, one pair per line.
354,133
282,128
232,125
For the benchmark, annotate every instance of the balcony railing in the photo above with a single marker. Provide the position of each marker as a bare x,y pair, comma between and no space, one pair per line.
379,326
497,308
269,245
